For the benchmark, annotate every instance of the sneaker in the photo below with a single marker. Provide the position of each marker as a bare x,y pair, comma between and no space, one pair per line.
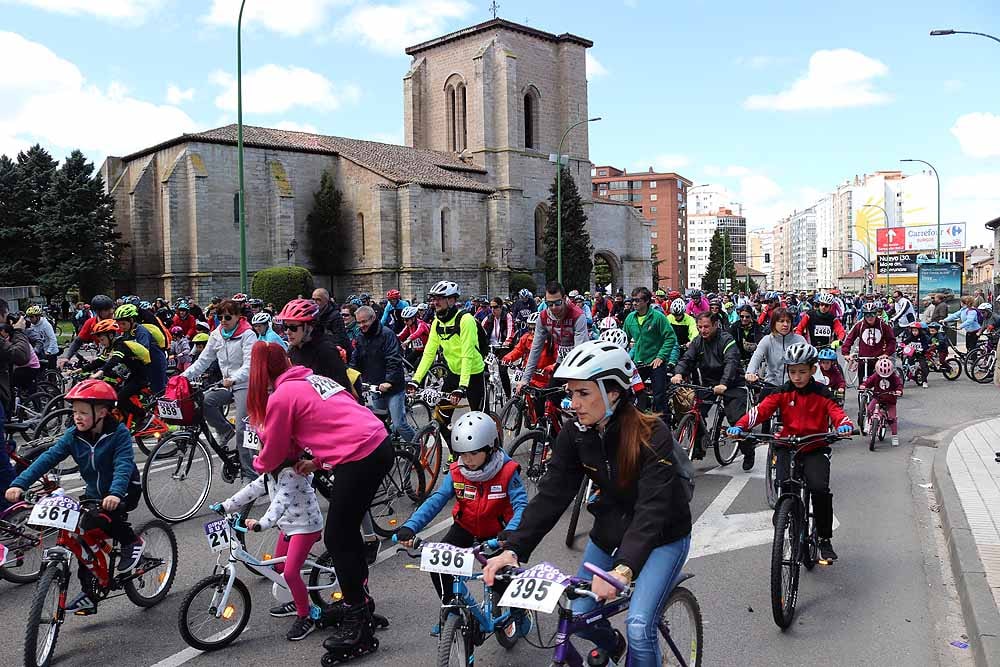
283,610
131,553
301,628
436,630
826,551
924,385
895,441
82,605
372,548
748,460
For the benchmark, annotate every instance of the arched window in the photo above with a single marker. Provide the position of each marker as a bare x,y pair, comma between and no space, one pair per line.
361,228
541,216
450,115
455,113
444,230
462,132
529,122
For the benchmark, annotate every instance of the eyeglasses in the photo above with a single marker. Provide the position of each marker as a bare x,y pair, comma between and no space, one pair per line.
293,327
554,304
226,318
346,315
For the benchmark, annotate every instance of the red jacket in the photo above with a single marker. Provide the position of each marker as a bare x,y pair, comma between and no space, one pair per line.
873,341
188,324
543,373
803,411
884,388
483,508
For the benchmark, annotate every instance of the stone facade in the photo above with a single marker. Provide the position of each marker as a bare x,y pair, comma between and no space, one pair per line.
483,110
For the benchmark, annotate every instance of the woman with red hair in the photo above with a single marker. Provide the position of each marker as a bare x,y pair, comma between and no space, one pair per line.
313,417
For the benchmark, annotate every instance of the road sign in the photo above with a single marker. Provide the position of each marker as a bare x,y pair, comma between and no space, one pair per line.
870,276
890,240
920,237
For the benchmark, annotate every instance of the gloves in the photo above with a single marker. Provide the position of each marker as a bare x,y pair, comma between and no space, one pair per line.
734,431
404,534
457,395
835,344
844,429
217,508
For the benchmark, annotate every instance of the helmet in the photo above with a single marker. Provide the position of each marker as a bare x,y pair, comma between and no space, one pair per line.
298,310
983,306
145,305
800,353
825,298
365,296
884,368
473,432
869,309
126,312
176,331
255,303
526,294
183,305
677,307
616,336
917,324
422,306
132,300
804,306
108,326
409,311
715,302
102,302
597,360
202,326
240,297
933,325
660,293
200,338
607,323
574,293
261,318
696,294
392,294
826,354
356,301
444,288
34,311
532,319
673,294
92,391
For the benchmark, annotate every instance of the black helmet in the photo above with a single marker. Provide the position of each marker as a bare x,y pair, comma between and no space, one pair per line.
101,302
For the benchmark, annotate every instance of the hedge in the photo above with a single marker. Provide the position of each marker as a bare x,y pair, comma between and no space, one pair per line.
520,281
281,284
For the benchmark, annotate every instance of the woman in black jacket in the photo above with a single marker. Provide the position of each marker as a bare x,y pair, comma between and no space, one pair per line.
642,521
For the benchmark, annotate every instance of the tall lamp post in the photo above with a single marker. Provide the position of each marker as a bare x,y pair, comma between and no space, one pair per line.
239,149
886,215
938,179
941,33
559,195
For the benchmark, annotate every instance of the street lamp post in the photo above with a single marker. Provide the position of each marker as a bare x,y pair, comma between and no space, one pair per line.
559,196
239,149
941,33
938,179
886,215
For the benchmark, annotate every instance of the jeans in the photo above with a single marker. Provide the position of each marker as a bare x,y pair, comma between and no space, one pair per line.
6,467
215,400
656,378
652,588
396,404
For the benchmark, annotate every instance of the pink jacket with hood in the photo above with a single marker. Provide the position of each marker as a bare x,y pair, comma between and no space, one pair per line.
309,413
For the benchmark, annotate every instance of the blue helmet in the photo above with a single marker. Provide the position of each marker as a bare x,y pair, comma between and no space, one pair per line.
826,354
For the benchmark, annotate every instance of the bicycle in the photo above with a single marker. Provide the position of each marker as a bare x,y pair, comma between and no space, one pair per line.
877,420
533,448
25,546
418,412
980,362
910,368
950,368
693,427
795,541
771,464
464,621
496,395
145,586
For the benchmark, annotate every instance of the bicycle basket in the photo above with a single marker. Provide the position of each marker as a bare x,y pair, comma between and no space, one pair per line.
178,406
683,400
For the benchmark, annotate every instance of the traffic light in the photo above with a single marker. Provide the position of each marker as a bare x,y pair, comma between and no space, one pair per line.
767,258
824,252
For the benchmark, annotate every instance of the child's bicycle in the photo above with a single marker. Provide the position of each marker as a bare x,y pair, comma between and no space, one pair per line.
25,545
145,585
951,368
465,622
877,420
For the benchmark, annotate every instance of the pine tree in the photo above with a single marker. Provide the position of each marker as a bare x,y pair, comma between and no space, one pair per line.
12,263
33,176
328,236
577,252
720,262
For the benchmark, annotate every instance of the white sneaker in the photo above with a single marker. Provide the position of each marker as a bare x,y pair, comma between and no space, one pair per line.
925,385
895,441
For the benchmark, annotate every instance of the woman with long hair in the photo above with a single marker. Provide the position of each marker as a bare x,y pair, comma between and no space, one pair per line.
642,522
313,418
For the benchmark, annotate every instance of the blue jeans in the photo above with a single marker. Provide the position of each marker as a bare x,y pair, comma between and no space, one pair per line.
6,468
652,588
396,404
659,378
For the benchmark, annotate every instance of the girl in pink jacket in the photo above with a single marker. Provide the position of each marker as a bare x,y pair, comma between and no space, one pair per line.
311,415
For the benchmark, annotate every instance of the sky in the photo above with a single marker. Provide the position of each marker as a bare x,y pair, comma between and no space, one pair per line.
779,102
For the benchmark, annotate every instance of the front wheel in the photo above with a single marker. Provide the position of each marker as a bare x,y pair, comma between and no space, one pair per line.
726,449
785,563
158,565
687,434
397,494
25,544
177,477
873,427
203,624
511,419
429,452
454,648
681,622
952,369
45,615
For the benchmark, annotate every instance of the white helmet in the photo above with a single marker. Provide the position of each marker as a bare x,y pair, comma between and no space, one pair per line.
616,336
677,307
261,318
597,360
985,306
884,367
445,288
422,306
607,323
800,353
826,298
409,311
474,431
532,319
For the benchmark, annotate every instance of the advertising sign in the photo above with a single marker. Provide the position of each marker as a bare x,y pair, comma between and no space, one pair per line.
943,279
920,238
908,262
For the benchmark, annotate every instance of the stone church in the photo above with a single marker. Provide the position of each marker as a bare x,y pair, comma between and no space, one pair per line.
464,200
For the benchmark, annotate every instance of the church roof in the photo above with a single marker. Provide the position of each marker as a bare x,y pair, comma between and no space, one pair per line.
494,24
399,164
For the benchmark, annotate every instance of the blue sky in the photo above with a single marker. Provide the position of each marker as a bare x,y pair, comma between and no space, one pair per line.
778,101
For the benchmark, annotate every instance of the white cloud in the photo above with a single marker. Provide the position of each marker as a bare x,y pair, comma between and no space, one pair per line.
130,10
978,134
390,29
176,96
595,69
661,162
294,126
276,89
52,103
305,16
837,78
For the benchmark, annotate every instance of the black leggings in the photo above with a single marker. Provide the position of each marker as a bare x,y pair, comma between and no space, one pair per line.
816,470
351,492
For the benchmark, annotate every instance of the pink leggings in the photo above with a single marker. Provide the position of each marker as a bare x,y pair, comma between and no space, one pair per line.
890,411
296,547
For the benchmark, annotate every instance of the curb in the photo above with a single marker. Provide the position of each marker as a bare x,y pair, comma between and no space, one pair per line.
978,606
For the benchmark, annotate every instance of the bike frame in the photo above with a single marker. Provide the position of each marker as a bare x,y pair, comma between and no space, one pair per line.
471,609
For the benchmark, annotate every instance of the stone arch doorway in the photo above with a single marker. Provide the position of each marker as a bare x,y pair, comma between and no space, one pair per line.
608,269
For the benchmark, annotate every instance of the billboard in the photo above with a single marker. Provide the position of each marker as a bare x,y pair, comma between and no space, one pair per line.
923,237
907,263
945,279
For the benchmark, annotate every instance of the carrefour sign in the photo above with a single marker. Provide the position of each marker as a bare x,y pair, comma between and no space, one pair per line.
923,237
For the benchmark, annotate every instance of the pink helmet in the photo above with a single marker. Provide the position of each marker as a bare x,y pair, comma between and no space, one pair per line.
298,310
884,367
176,331
608,323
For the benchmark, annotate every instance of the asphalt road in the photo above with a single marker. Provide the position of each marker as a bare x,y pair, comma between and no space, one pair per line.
887,601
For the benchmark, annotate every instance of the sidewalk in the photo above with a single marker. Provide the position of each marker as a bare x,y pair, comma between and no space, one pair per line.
967,483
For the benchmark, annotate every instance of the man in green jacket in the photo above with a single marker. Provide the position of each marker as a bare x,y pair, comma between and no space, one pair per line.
654,345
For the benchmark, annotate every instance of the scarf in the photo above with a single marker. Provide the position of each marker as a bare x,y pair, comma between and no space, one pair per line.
488,471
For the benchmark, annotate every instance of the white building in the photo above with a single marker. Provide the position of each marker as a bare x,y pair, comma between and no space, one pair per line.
703,200
826,277
760,249
795,251
701,228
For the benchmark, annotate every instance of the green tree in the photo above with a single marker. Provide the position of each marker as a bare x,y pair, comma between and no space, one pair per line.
577,253
720,262
328,235
519,281
12,264
654,256
32,178
602,272
79,241
281,284
741,285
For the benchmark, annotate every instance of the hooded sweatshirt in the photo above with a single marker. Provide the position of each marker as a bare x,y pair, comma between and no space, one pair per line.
232,353
312,414
771,352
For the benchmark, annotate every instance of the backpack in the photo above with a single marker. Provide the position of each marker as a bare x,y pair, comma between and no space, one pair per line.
980,316
455,329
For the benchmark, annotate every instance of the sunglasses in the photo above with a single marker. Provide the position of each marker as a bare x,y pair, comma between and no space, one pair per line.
346,315
554,304
293,327
226,318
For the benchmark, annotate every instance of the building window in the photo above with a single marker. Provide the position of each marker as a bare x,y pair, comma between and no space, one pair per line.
652,197
456,108
540,218
444,230
619,185
450,111
361,228
652,209
636,185
463,126
529,122
680,197
652,184
602,172
680,184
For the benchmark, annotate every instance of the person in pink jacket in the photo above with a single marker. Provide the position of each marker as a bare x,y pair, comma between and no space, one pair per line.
311,417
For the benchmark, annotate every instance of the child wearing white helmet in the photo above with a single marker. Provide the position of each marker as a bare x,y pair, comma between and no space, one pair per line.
413,337
887,387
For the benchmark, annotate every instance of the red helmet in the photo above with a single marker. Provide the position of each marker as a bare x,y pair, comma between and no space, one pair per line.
298,310
392,294
240,298
176,331
94,391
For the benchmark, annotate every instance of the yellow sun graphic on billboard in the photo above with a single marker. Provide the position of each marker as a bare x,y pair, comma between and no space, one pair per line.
867,221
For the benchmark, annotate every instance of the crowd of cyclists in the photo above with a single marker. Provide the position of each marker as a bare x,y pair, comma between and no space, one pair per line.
295,378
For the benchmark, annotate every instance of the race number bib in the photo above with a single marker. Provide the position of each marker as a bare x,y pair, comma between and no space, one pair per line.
823,330
61,512
446,559
324,386
538,588
417,344
562,352
250,439
217,534
168,409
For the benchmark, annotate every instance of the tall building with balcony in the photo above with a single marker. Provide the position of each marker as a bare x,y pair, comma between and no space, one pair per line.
662,198
701,228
